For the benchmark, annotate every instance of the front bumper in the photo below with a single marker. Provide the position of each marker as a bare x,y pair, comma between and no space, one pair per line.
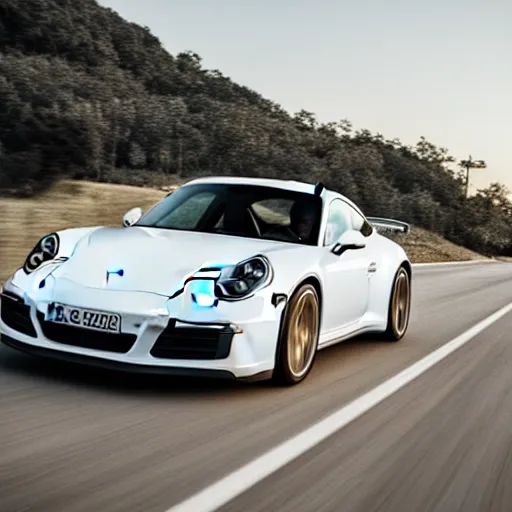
109,364
244,350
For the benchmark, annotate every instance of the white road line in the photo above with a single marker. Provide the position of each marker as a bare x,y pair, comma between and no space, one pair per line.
447,263
234,484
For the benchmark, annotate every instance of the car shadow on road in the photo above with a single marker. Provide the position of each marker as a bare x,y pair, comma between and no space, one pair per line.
49,370
46,370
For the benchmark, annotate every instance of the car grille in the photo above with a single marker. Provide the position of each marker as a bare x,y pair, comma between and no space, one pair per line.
193,343
86,338
16,315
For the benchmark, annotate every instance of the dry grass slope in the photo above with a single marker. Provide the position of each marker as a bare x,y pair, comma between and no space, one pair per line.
79,203
423,246
67,204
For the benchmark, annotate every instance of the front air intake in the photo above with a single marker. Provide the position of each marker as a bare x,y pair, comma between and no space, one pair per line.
205,343
16,315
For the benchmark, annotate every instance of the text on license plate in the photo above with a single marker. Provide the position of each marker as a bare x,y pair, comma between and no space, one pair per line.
87,318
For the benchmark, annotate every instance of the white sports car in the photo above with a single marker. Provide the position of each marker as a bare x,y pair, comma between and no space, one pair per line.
225,277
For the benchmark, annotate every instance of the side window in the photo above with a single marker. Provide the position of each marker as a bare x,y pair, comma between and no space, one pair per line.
338,221
360,223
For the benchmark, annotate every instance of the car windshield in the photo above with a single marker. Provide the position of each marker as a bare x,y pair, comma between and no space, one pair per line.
240,210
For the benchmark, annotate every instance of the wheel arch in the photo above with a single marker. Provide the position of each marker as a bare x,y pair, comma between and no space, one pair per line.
381,285
408,267
312,280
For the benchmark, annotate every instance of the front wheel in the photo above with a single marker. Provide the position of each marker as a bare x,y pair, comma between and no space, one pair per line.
399,306
299,337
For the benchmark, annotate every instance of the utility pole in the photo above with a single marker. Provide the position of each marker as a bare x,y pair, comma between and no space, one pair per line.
471,164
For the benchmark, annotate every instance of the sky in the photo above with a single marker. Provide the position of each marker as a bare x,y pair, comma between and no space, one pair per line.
441,69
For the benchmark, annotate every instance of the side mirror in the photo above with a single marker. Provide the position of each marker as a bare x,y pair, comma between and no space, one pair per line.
132,216
350,240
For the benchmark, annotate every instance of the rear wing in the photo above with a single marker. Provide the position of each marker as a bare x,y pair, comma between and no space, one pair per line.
382,224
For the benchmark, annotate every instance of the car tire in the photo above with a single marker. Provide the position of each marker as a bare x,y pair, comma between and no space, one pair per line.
298,341
399,308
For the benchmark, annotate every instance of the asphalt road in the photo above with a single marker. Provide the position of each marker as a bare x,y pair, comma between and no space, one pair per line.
75,439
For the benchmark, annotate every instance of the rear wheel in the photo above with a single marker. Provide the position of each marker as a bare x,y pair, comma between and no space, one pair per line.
399,306
299,337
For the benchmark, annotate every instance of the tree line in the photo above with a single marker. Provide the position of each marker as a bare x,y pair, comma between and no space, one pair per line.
86,94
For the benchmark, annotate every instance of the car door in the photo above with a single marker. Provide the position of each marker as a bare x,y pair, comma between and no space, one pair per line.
346,276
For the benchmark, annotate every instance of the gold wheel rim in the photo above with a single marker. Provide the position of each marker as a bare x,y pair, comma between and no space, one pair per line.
302,333
401,302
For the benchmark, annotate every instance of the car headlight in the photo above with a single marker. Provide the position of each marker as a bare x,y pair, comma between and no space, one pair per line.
244,279
45,250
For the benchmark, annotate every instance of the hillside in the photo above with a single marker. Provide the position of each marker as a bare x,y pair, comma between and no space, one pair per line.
71,203
86,94
66,204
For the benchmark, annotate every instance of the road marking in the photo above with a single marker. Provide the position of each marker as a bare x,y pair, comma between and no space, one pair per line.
463,262
226,489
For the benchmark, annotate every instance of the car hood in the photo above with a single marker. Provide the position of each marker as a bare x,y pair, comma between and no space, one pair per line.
154,260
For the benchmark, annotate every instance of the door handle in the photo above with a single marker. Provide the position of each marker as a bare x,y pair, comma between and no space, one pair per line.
372,268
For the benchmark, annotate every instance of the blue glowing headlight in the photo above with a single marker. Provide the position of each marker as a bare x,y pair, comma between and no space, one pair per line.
244,279
203,292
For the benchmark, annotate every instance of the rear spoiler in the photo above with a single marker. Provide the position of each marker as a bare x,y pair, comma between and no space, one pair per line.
389,224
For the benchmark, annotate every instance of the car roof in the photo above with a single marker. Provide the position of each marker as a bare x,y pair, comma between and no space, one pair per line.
291,185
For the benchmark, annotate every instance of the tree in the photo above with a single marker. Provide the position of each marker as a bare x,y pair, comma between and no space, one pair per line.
87,94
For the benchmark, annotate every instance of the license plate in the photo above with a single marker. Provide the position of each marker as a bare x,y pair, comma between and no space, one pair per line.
86,318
